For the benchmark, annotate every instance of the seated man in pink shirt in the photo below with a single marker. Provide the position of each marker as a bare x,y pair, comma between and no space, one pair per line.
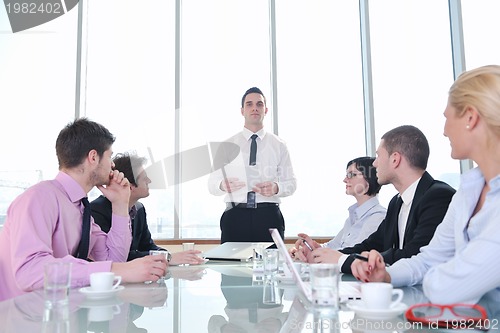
44,224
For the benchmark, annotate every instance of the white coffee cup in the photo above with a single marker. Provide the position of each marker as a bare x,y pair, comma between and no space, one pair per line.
187,246
379,295
104,281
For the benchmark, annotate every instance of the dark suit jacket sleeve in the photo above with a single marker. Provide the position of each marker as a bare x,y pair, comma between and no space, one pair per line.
142,241
101,212
427,215
427,211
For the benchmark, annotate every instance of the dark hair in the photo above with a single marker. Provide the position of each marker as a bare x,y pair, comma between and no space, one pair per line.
129,164
253,90
410,142
78,138
365,166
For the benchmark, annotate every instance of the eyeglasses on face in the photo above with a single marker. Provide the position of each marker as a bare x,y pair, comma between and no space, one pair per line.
351,174
448,316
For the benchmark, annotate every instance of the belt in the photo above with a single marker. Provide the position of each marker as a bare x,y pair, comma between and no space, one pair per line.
230,205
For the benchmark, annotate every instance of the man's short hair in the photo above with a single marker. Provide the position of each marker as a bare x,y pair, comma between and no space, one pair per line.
410,142
78,138
129,164
253,90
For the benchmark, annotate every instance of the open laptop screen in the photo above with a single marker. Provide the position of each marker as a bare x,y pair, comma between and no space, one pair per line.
348,290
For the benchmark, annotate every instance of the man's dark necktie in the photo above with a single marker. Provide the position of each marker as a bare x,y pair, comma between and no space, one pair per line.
253,149
253,158
399,203
83,248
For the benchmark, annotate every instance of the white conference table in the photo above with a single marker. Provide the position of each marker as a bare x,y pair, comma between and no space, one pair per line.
215,297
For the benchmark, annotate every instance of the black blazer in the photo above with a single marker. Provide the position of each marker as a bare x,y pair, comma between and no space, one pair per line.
141,237
429,206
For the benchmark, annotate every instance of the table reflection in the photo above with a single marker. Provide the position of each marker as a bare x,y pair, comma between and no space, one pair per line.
209,298
245,308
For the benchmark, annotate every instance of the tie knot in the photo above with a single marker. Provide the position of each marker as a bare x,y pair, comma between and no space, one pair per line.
133,212
85,202
254,136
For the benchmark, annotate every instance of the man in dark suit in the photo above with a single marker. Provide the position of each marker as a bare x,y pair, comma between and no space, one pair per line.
132,167
412,215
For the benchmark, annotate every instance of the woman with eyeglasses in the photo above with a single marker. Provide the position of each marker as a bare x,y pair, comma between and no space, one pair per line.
364,216
462,261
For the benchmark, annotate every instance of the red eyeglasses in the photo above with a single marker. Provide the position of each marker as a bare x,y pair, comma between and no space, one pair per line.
453,316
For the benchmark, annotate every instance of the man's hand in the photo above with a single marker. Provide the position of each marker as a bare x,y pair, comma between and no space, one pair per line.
267,189
187,257
148,268
118,192
230,185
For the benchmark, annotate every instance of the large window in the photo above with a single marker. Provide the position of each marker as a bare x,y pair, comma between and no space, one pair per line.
37,98
481,26
128,85
412,72
169,78
320,113
225,51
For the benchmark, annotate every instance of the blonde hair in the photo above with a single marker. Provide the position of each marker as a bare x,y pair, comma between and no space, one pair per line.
479,88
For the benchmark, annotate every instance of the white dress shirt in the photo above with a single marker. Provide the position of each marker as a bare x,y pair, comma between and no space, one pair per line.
407,198
272,164
462,261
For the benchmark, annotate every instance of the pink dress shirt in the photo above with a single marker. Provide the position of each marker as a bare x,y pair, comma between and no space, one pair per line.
44,224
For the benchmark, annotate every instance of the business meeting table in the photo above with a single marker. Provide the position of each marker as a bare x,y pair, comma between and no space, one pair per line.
214,297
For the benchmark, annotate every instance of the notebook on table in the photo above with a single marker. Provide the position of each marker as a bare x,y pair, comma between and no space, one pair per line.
348,290
234,251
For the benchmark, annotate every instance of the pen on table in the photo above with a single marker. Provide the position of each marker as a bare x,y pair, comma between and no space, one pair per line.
307,244
360,257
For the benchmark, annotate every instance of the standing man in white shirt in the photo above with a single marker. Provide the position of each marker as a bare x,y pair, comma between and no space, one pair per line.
255,181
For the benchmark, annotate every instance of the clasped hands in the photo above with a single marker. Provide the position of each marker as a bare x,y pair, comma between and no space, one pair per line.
373,270
267,189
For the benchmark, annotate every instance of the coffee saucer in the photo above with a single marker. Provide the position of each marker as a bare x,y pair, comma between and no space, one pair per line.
359,308
100,294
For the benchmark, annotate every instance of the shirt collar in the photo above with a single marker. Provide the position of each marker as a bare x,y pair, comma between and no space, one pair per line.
73,189
247,133
360,211
409,193
470,180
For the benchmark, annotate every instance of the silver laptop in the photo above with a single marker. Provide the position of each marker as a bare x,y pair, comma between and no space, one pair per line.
234,251
348,290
